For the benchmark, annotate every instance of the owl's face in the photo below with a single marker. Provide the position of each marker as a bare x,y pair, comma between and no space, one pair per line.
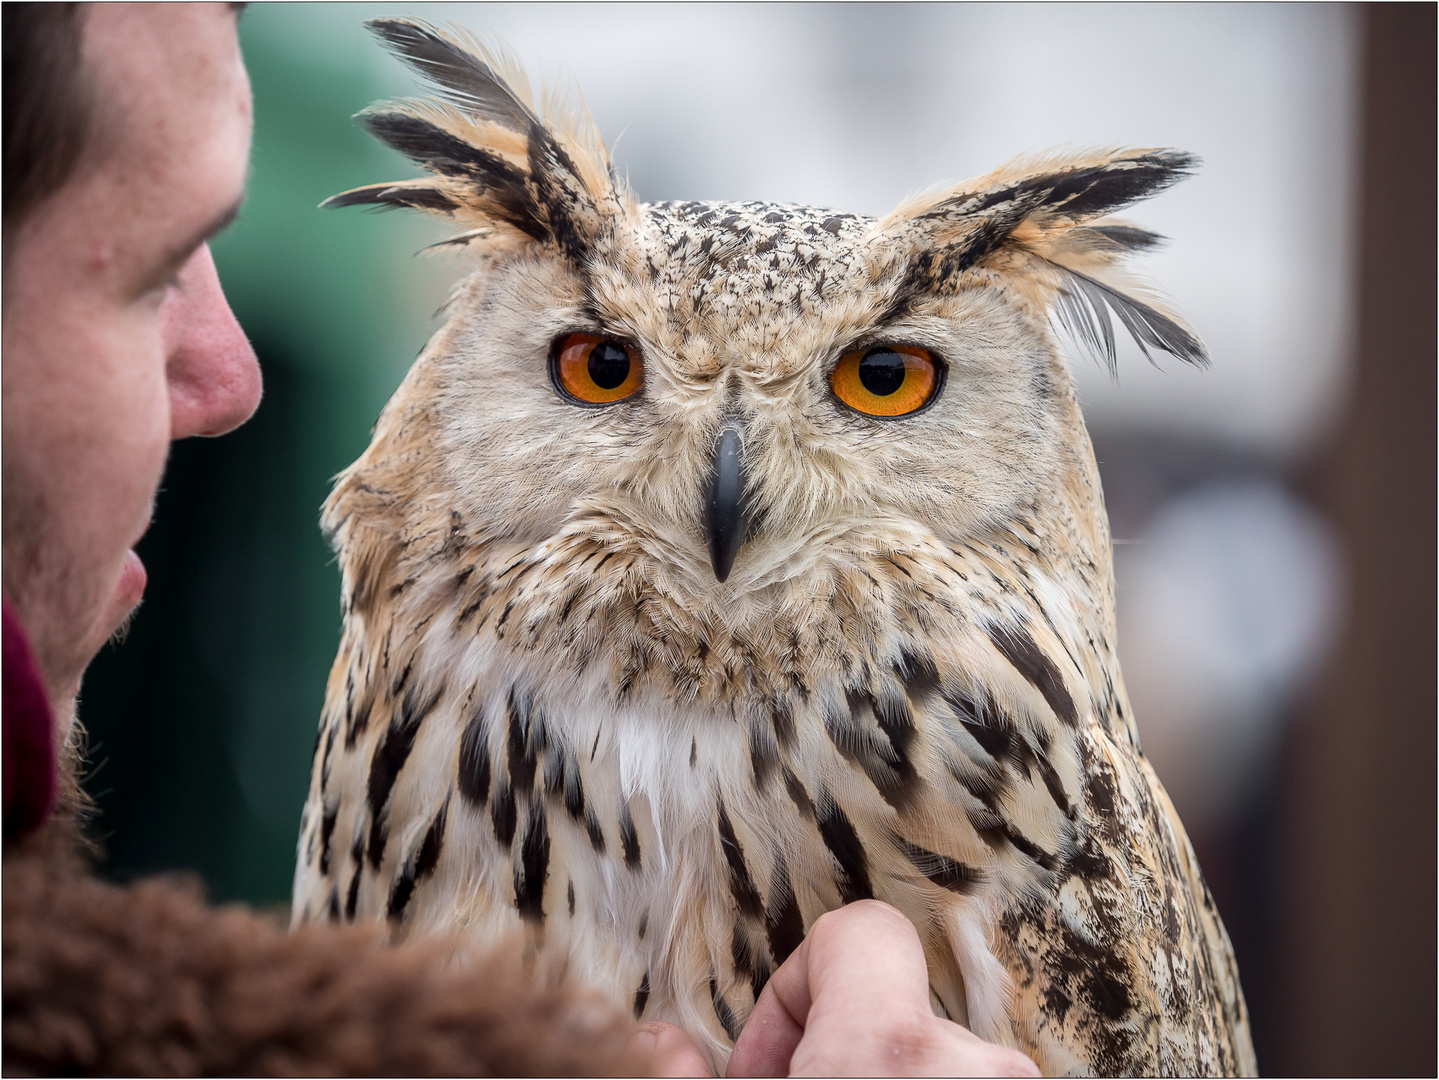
703,319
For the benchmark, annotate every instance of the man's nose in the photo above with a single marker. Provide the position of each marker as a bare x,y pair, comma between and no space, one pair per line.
211,370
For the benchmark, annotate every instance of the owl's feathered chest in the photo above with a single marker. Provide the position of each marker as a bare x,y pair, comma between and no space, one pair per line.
671,800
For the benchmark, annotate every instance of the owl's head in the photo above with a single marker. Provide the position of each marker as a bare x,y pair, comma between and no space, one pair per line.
736,396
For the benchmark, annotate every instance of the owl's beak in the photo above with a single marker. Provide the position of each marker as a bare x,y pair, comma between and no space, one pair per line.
726,505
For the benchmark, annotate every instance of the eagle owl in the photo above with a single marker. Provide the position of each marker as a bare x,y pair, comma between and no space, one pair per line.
719,564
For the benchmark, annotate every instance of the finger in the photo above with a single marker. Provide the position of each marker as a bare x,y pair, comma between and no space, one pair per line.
776,1024
858,956
661,1049
870,1013
771,1033
866,960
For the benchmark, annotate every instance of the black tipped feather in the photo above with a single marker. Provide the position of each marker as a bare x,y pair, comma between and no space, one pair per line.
432,147
502,184
466,80
1084,306
1082,192
1088,192
436,149
459,240
390,196
1128,237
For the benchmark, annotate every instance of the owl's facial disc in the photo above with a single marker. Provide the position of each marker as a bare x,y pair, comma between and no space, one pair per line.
727,503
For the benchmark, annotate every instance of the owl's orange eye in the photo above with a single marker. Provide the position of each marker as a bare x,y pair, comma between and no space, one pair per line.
595,370
886,380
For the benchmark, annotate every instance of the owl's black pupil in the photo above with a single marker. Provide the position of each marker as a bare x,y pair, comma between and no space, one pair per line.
882,371
609,365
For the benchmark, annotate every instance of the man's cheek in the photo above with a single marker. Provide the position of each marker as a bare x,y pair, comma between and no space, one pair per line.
131,441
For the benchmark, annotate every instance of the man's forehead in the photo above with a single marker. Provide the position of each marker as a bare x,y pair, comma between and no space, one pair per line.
171,124
161,69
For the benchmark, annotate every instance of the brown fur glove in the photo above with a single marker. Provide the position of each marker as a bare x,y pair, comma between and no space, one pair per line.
147,979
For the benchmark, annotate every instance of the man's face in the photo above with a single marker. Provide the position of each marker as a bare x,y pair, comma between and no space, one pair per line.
117,337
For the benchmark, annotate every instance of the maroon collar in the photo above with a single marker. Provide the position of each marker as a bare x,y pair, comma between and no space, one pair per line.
29,752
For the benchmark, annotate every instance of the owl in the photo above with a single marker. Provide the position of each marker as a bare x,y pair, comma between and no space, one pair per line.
720,564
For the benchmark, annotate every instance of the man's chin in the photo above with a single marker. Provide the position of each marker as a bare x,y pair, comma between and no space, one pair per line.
65,631
121,632
112,626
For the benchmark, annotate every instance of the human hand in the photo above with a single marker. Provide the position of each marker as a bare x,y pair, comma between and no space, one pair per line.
853,1000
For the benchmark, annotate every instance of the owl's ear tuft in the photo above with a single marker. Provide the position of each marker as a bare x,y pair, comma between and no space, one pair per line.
1035,221
500,167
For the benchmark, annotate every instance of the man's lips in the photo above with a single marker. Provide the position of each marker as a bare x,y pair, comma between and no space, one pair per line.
131,587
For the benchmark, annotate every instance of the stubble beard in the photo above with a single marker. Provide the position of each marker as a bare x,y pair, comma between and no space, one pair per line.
56,604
